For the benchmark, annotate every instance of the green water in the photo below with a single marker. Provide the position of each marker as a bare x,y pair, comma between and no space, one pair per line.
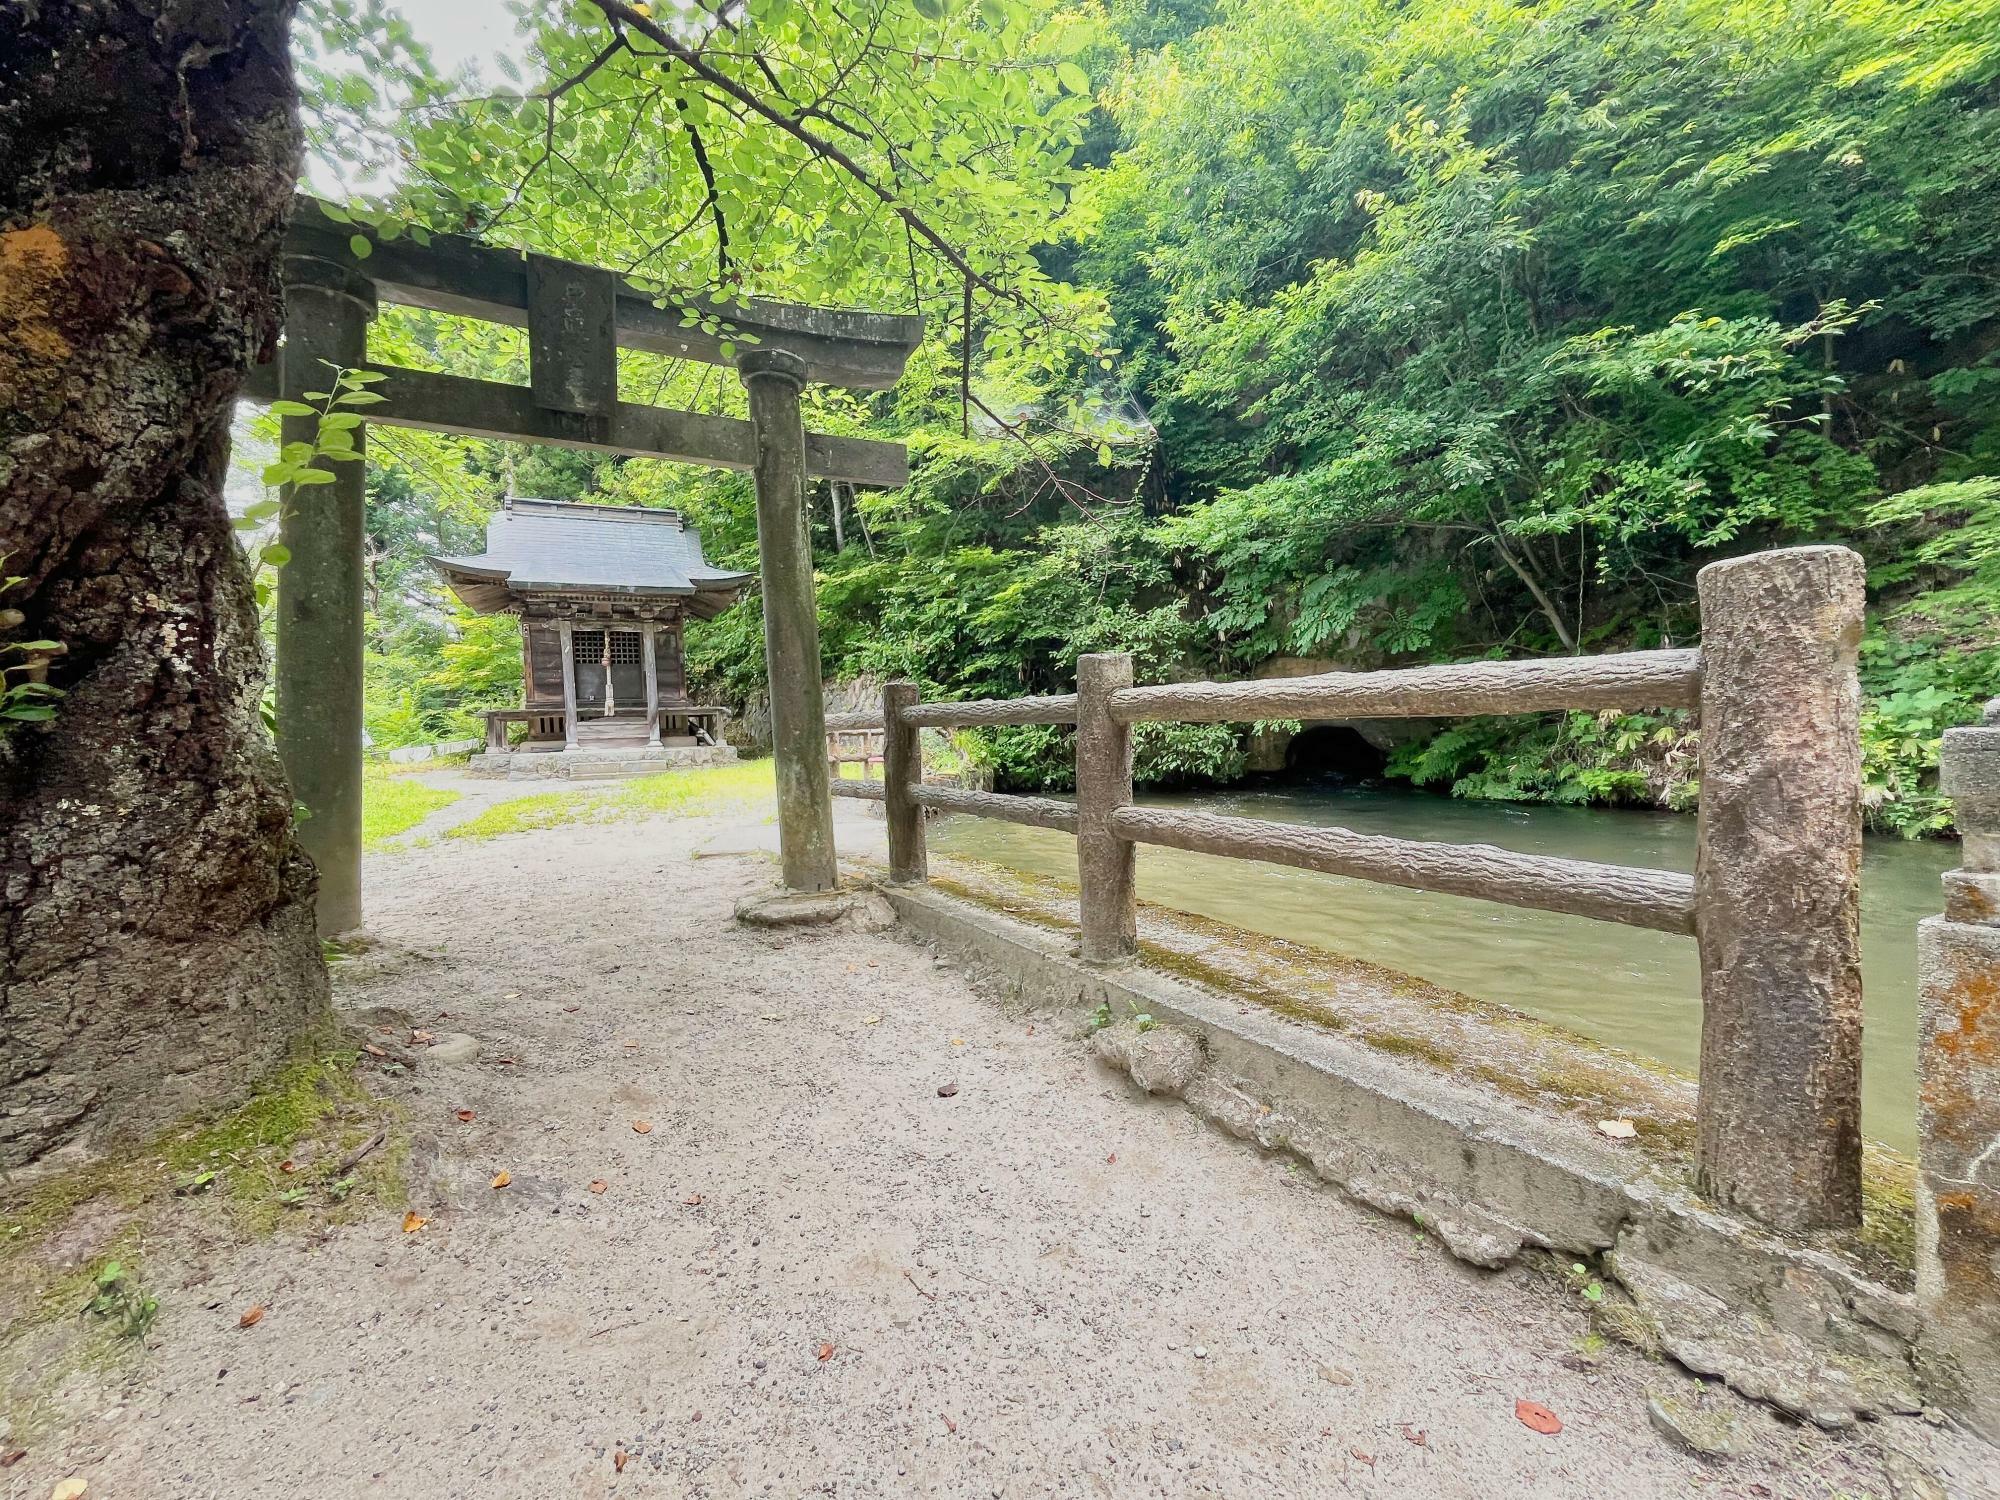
1631,988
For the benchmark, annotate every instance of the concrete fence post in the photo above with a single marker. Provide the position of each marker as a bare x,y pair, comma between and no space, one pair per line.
1108,897
1777,886
1958,1092
317,662
902,770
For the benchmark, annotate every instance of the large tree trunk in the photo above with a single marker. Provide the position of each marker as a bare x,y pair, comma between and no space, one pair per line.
157,947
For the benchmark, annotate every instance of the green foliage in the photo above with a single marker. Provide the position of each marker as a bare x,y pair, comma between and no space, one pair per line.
1641,759
25,697
119,1299
1372,331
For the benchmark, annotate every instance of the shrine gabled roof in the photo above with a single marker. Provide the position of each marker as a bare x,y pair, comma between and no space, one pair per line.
559,547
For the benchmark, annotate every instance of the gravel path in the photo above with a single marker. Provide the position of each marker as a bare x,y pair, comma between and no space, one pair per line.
814,1275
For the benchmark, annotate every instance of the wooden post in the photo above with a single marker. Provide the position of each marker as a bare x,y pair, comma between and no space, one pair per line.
651,654
1958,1092
317,664
565,628
1777,886
1110,908
773,379
902,772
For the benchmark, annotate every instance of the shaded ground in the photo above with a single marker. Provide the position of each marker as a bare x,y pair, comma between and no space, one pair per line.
814,1275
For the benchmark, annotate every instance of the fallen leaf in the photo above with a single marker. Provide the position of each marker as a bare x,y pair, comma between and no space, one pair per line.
465,1116
251,1318
631,1044
69,1489
873,964
288,1165
1416,1435
570,1010
642,1127
511,995
958,1041
505,1062
949,1425
1618,1130
1031,1031
946,1090
770,1018
825,1353
1534,1414
11,1457
1335,1376
871,1020
598,1184
618,1461
502,1178
421,1038
413,1221
372,1050
1366,1458
1111,1159
693,1200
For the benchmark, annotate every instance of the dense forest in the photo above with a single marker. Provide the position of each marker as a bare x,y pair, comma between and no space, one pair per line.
1363,331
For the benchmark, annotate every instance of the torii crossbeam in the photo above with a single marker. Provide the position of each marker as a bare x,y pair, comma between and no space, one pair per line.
577,318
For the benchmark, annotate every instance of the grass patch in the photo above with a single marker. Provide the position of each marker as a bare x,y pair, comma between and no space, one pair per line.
698,792
394,802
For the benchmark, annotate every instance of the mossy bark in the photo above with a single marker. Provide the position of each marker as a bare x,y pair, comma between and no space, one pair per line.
157,948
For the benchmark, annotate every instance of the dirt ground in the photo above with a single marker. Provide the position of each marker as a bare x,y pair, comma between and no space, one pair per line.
814,1275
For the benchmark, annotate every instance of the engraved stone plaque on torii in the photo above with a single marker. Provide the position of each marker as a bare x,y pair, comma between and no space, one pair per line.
577,318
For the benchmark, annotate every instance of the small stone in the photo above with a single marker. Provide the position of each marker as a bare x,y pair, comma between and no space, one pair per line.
946,1090
1199,1352
1709,1431
450,1048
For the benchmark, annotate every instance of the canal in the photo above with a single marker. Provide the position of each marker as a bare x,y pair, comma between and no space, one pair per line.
1634,989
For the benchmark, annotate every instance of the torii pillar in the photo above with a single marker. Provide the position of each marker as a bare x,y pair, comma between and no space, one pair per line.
317,667
774,378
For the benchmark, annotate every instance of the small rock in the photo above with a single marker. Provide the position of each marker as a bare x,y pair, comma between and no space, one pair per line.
1199,1352
1161,1059
946,1090
452,1047
1709,1431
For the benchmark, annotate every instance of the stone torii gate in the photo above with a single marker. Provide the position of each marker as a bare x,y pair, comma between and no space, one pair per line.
577,318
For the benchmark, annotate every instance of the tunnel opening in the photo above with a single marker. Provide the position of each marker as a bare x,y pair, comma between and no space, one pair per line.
1335,753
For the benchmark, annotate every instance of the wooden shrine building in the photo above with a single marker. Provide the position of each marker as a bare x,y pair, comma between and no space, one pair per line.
602,592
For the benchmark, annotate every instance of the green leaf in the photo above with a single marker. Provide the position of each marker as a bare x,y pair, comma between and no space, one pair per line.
27,713
360,247
277,554
313,476
1073,78
291,409
359,398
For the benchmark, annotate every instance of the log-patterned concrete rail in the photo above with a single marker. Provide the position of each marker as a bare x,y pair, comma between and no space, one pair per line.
1633,680
861,791
1659,899
1059,708
1035,812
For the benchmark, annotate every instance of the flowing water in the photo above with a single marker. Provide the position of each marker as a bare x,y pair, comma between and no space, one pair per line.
1634,989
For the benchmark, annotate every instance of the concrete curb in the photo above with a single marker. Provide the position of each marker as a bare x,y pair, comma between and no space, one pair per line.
1799,1327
